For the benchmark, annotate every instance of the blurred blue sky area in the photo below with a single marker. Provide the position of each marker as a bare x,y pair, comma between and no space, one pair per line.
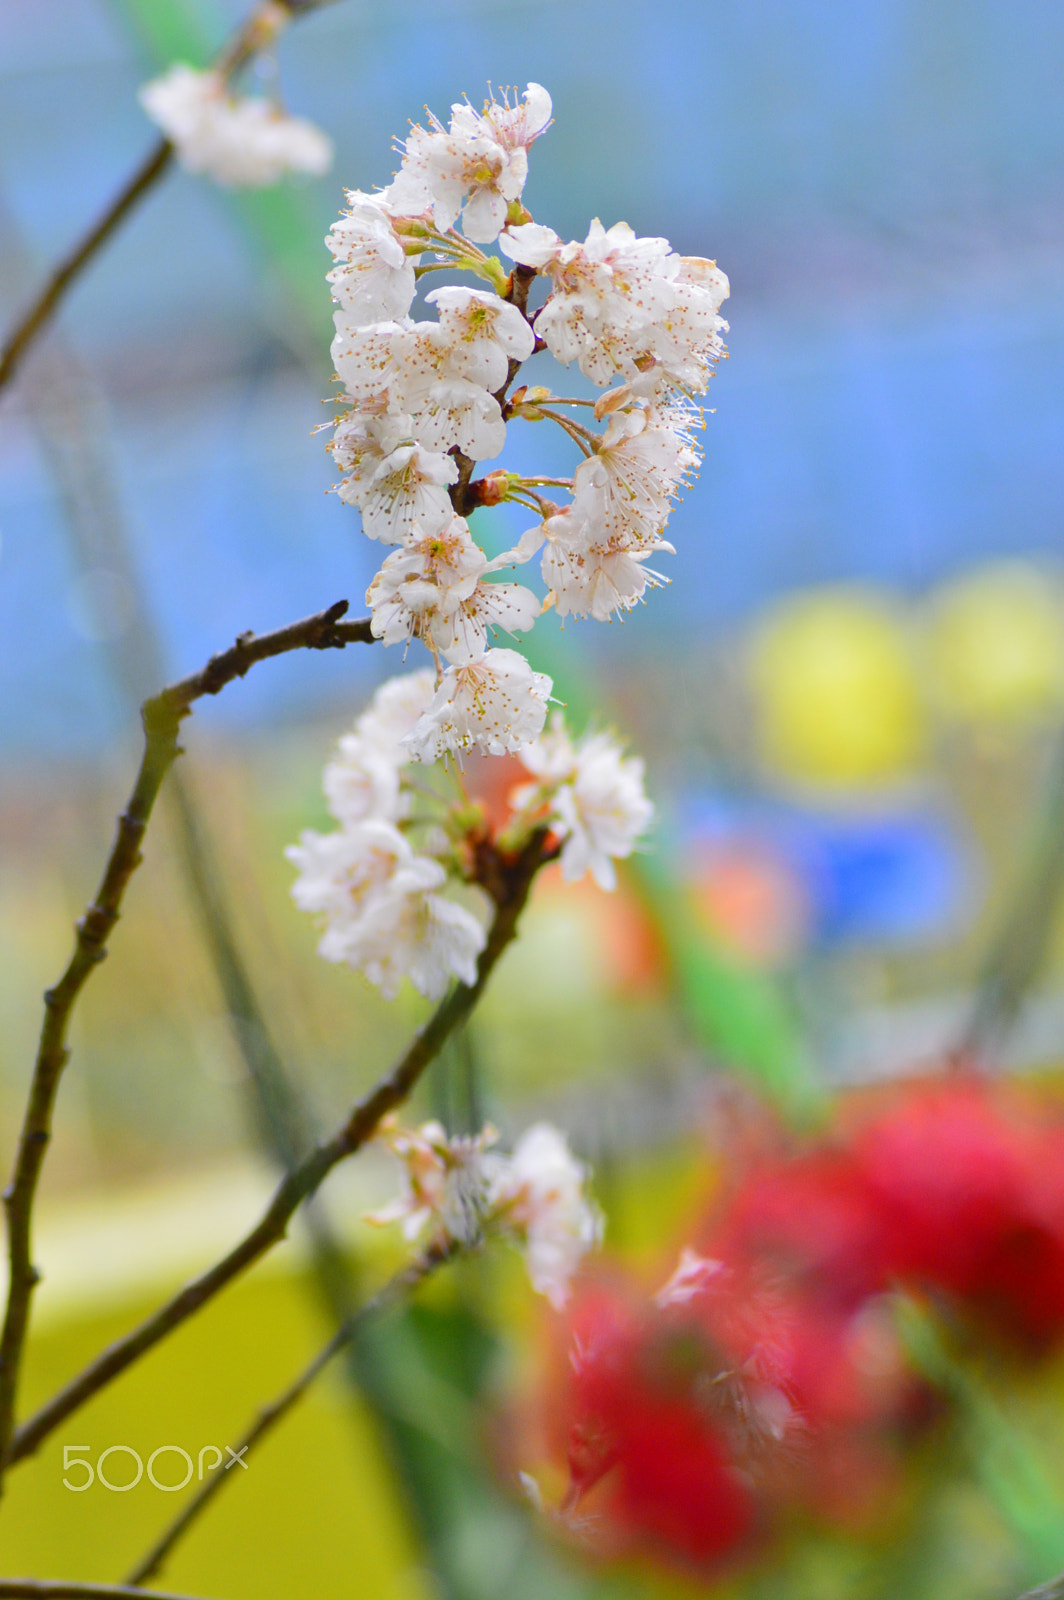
883,181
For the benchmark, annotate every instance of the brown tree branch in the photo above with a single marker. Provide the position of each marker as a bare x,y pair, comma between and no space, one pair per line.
437,1253
507,878
40,313
162,717
253,35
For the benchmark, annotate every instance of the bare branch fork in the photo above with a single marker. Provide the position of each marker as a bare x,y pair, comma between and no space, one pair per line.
440,1251
508,879
162,717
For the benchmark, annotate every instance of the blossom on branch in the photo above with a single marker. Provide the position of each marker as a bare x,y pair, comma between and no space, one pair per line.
626,308
469,1191
444,1181
496,705
373,278
380,900
593,797
538,1193
475,168
425,401
238,142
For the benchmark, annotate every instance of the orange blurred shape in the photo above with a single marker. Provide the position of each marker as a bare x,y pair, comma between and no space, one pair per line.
750,902
491,780
619,927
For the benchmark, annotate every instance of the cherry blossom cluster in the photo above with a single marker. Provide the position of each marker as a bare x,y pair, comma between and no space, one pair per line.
425,402
466,1190
379,898
237,141
383,901
590,795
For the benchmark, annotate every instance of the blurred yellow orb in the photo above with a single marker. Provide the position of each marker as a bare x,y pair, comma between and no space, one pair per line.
995,645
836,688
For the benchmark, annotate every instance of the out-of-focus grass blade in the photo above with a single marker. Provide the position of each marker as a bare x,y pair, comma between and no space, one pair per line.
281,221
736,1014
1005,1462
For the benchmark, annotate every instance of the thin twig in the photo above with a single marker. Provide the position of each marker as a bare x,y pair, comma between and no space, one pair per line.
508,879
398,1286
162,717
57,1589
586,438
40,313
253,34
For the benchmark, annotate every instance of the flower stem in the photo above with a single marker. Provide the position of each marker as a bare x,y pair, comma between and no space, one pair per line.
162,717
508,878
250,37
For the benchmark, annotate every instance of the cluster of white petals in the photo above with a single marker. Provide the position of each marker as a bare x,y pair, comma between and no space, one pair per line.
593,796
466,1190
476,168
633,314
379,900
538,1193
444,1181
496,704
428,400
422,398
422,403
625,308
239,142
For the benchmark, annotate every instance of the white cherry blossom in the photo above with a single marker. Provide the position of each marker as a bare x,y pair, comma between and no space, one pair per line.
463,1188
431,574
407,497
374,277
551,758
495,705
514,126
539,1194
381,911
444,1182
448,172
475,168
461,634
394,710
628,486
361,441
602,811
361,783
626,307
585,574
239,142
339,871
453,411
407,933
367,357
480,332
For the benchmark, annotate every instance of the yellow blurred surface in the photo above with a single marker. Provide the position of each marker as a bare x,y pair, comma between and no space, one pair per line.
837,691
314,1513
